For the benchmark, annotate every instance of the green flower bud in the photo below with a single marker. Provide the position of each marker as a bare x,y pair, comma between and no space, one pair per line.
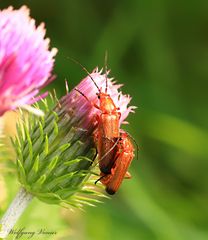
55,155
56,152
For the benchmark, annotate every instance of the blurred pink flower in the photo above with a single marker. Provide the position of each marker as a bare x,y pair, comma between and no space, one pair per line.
25,59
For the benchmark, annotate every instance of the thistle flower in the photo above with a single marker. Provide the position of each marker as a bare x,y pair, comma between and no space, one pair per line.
88,88
25,60
60,145
56,153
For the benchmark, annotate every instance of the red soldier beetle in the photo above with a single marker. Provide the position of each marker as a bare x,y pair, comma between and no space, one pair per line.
119,171
108,128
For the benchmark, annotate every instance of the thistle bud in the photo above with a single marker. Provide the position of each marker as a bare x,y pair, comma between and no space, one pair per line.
55,153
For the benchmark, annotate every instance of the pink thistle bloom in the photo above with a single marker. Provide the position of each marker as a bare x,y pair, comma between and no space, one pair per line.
84,109
25,59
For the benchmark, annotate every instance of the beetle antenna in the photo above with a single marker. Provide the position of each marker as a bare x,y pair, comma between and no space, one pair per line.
84,69
82,94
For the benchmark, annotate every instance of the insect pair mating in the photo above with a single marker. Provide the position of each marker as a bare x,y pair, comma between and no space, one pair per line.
114,147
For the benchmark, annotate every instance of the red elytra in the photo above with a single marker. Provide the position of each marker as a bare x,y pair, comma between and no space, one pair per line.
123,158
107,132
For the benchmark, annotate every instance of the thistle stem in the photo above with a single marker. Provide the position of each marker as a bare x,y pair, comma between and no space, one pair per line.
14,211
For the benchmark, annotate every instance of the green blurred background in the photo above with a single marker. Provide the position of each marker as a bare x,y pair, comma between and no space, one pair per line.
159,50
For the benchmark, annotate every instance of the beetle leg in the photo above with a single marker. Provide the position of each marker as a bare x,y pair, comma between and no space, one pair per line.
96,106
99,179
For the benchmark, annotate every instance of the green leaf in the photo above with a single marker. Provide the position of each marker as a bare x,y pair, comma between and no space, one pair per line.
29,143
59,180
41,131
46,148
36,164
39,182
55,129
71,162
64,147
21,172
53,163
50,198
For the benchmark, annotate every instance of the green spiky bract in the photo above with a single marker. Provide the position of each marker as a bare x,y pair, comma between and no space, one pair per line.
55,157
